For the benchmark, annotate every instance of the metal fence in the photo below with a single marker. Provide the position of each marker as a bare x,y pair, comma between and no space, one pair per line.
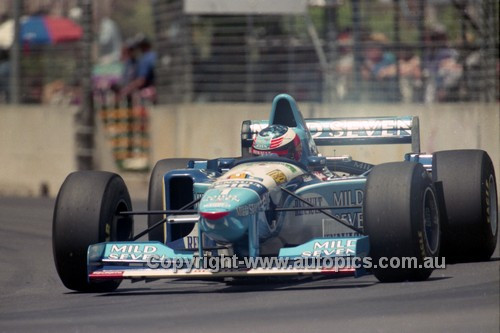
46,73
317,50
327,50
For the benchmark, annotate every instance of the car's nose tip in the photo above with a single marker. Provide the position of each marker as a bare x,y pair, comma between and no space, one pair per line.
214,215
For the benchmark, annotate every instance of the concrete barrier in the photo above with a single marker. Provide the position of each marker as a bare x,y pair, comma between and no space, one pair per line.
37,143
36,149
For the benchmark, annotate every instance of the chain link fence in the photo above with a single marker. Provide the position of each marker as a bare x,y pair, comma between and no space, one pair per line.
409,51
48,73
327,50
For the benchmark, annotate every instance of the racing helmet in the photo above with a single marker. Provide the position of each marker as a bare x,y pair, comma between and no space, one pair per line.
277,139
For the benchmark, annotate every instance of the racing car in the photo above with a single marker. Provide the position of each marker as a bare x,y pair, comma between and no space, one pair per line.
282,199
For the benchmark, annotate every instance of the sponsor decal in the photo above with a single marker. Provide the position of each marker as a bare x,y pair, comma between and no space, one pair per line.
278,176
217,205
365,128
348,198
253,185
315,201
222,196
244,175
290,167
252,209
340,247
240,175
131,252
246,210
354,218
361,165
191,242
262,152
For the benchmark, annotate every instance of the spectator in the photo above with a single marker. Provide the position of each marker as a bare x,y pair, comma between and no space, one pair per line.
144,80
379,69
129,70
442,69
410,83
345,65
129,60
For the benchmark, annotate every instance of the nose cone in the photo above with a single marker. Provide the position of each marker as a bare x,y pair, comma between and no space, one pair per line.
214,215
227,213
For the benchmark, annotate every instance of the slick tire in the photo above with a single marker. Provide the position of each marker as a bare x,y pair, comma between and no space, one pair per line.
86,213
401,219
470,198
156,201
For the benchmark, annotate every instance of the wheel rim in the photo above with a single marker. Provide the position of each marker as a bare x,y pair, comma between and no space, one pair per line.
491,202
119,227
431,221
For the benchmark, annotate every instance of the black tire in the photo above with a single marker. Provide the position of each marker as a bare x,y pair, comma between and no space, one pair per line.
155,198
85,214
470,197
401,219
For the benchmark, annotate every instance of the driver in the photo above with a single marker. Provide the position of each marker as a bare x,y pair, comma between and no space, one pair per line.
279,140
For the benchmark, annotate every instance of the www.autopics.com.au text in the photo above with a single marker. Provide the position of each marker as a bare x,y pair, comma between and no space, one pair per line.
223,262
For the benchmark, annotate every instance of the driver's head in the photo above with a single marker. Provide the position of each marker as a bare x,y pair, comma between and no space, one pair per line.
279,140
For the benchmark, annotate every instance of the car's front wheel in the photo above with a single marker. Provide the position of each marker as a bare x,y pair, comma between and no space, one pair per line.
401,219
87,212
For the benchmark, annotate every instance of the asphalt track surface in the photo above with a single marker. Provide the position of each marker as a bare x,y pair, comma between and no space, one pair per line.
460,298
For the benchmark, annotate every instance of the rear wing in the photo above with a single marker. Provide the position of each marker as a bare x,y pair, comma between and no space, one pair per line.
349,131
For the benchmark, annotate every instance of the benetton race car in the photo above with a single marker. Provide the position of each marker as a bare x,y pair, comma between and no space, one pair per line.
270,206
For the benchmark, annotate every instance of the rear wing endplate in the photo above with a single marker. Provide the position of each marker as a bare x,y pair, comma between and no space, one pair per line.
349,131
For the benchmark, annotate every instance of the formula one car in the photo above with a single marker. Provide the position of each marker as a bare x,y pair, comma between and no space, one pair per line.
306,207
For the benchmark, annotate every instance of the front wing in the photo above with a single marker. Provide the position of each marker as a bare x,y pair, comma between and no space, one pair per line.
134,260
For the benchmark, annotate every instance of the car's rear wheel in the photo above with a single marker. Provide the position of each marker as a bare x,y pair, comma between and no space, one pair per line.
86,213
470,196
401,219
156,199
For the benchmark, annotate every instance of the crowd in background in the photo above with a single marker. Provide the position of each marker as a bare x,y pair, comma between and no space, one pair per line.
439,67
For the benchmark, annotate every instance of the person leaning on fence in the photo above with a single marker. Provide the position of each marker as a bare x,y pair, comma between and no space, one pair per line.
141,89
129,72
378,69
145,73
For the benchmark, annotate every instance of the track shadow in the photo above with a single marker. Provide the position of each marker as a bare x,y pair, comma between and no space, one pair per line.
205,287
468,260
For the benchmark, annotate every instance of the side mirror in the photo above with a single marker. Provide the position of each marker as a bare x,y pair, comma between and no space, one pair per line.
316,163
